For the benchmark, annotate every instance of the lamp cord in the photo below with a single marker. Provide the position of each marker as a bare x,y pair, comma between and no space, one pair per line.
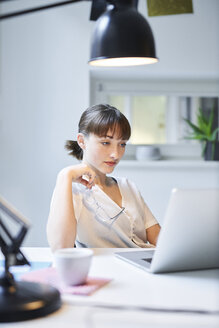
32,10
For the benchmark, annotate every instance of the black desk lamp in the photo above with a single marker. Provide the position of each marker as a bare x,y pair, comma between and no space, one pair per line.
122,36
20,300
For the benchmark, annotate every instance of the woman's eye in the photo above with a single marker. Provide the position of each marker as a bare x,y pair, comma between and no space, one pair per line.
123,145
105,143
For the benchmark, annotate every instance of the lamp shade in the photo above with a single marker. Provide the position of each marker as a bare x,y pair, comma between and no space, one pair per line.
122,37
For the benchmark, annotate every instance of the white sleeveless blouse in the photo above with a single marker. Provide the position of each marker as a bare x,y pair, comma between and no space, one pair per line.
94,211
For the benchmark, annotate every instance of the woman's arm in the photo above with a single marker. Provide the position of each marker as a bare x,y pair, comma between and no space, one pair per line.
62,224
153,233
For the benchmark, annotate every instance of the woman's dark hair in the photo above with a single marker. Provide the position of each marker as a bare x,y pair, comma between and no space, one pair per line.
99,119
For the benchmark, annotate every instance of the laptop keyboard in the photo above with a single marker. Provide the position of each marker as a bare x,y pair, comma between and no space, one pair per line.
148,260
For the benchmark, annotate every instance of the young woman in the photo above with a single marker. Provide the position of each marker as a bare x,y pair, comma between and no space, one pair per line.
90,208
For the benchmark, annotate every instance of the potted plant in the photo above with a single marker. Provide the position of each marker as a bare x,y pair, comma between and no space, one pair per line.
205,133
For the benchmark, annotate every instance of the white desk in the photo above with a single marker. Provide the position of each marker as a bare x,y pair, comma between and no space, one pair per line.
132,286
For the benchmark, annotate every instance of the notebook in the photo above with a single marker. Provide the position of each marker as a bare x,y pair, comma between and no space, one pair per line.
189,237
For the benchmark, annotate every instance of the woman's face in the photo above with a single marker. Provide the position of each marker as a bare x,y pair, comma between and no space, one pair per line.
103,153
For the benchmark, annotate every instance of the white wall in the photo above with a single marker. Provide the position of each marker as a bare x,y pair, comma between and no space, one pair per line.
188,44
44,87
156,180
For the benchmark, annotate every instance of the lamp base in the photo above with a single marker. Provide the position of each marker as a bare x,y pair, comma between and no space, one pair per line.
27,300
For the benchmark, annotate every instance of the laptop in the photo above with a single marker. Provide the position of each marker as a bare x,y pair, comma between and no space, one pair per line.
189,238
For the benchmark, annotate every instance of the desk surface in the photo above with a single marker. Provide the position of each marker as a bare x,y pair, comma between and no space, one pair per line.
133,288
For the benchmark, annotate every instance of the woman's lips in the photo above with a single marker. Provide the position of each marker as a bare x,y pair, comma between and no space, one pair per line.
110,163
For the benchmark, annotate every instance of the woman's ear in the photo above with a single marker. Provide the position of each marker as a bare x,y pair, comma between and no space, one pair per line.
81,140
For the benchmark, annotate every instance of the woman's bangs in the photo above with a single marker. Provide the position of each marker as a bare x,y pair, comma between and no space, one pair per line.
118,126
121,131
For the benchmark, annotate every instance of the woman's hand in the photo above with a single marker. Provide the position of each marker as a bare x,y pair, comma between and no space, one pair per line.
80,173
153,233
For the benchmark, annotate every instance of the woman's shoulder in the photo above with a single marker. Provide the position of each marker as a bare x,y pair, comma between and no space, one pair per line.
126,183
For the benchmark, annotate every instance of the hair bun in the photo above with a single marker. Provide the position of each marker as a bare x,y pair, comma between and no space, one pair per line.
74,149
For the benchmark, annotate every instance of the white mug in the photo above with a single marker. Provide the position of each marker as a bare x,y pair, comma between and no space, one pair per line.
73,264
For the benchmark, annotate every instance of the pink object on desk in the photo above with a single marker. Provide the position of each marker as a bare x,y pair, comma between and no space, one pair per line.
50,276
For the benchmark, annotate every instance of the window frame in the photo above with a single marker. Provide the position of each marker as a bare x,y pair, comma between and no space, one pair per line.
101,87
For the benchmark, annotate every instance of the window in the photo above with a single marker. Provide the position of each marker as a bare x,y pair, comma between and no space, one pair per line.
156,109
146,115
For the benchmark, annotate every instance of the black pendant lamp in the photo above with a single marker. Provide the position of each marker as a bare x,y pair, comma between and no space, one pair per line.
122,37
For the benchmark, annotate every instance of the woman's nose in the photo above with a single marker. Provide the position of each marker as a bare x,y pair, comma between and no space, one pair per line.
114,153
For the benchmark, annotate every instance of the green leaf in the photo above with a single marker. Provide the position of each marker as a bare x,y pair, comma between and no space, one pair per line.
197,137
202,120
203,129
205,123
200,137
193,126
214,135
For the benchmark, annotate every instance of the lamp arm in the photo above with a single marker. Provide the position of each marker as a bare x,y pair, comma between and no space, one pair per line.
7,278
11,251
32,10
3,243
16,241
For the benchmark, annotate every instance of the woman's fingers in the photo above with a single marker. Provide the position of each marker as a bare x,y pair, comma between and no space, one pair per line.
88,179
83,182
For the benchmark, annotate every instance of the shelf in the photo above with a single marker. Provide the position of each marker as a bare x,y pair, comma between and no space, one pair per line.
197,164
